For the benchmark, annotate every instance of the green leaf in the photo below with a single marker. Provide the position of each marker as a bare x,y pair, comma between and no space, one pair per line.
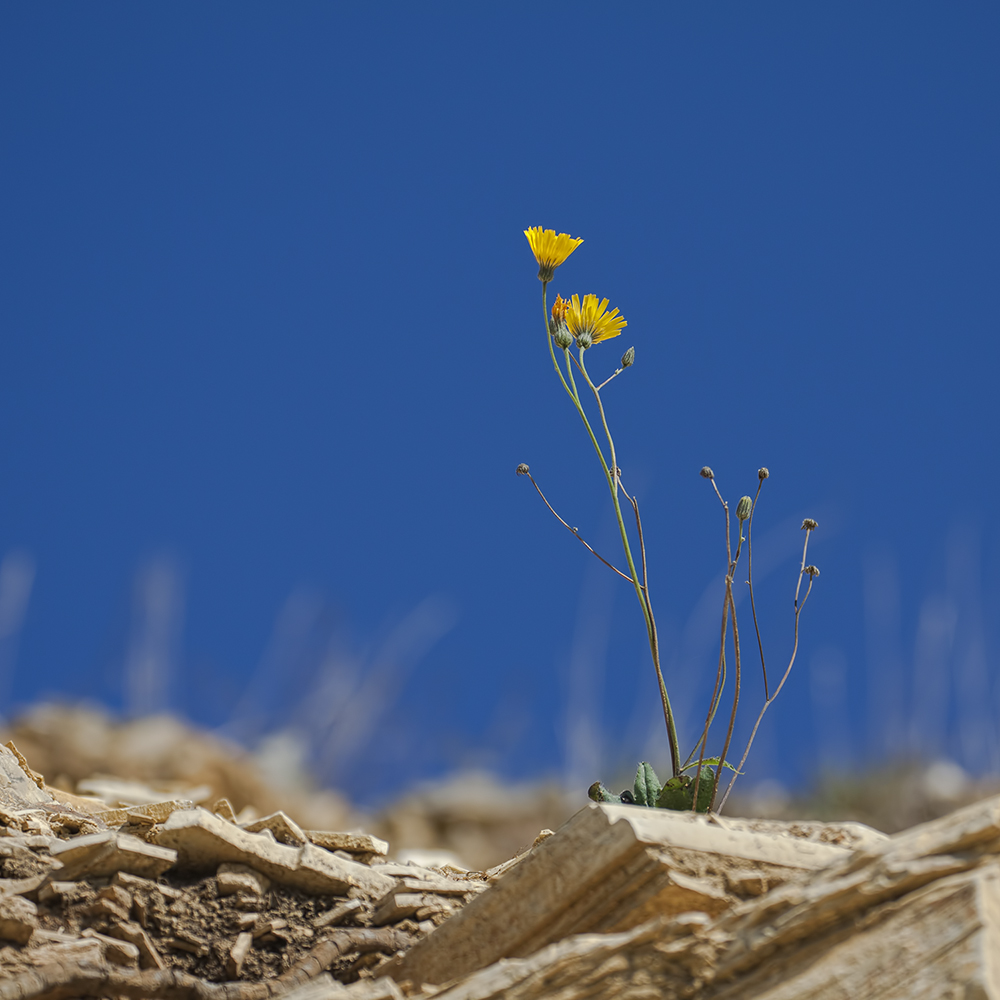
714,761
678,793
704,789
647,785
675,794
599,793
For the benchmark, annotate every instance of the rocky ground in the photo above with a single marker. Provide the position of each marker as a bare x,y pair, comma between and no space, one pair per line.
155,861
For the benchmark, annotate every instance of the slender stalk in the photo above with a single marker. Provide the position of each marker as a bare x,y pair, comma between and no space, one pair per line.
609,378
736,697
753,606
574,531
647,611
728,612
788,669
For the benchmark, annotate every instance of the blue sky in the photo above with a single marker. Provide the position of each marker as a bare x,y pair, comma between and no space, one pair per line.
272,349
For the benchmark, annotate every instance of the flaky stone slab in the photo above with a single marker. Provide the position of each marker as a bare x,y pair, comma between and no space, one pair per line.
612,868
203,841
18,919
284,829
105,853
17,789
353,843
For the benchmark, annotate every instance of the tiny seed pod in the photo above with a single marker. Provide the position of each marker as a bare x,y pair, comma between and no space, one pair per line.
707,473
599,793
522,469
763,473
813,571
809,524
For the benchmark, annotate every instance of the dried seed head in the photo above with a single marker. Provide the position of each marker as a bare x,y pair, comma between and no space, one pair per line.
628,357
522,469
707,473
813,571
584,339
762,473
809,524
743,508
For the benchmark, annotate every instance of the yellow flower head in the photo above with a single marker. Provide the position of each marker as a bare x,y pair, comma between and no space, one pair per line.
549,249
590,322
559,308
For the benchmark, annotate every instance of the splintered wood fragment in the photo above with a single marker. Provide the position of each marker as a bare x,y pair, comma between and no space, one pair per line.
187,942
116,950
397,906
268,927
238,955
149,957
339,914
442,886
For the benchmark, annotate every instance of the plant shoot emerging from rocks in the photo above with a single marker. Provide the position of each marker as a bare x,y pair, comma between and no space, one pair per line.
572,328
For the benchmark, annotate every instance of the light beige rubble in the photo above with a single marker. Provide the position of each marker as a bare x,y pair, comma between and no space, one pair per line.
103,854
18,919
203,841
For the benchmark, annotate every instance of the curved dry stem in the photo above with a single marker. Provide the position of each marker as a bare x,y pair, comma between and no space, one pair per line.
753,606
788,669
574,531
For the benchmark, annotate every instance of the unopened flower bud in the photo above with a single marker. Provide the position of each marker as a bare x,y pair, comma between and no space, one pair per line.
707,473
562,337
628,357
743,508
813,571
522,469
584,339
763,473
809,524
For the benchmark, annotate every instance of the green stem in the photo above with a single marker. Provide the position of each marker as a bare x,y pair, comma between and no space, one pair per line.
647,611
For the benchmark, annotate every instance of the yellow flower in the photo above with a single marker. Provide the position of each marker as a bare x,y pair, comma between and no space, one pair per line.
590,322
549,249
